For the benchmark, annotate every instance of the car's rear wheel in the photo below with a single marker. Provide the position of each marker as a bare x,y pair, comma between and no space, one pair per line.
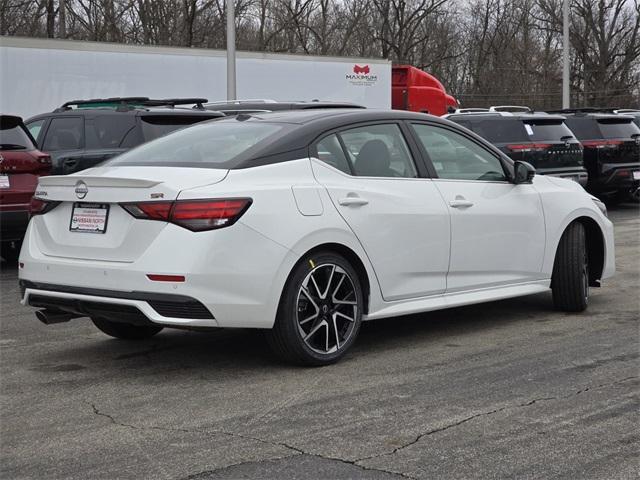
570,278
125,331
320,311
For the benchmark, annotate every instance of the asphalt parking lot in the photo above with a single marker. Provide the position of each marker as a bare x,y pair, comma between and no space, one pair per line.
505,389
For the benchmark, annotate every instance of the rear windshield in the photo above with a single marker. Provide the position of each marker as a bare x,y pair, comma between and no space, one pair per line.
617,129
546,130
590,128
14,137
154,127
500,130
208,145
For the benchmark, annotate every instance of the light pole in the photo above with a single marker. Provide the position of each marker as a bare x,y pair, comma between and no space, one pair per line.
566,98
231,50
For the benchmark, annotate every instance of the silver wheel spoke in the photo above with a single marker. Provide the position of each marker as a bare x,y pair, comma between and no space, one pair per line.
346,317
335,329
315,329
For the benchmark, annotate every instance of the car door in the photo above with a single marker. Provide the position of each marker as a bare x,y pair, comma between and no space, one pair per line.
64,141
398,216
497,227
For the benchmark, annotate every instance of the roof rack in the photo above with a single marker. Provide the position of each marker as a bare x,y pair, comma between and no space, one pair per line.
244,100
584,110
126,103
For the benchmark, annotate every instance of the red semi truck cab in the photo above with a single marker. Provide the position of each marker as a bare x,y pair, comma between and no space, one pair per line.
415,90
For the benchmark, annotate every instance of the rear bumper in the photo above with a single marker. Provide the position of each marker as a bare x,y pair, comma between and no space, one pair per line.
615,177
13,223
137,308
233,277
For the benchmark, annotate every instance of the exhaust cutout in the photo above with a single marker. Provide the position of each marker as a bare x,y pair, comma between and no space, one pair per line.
49,317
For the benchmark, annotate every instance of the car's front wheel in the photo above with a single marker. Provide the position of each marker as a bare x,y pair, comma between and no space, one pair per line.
125,331
320,311
570,278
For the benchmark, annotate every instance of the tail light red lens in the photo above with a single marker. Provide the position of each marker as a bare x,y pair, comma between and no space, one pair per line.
526,147
195,215
601,143
40,207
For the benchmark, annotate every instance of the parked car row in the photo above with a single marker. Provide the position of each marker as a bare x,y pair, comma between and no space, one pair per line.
600,149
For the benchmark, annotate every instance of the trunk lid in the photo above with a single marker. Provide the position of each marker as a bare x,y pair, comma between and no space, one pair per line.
125,238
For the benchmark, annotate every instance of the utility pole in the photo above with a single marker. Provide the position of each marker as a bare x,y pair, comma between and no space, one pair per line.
231,50
566,96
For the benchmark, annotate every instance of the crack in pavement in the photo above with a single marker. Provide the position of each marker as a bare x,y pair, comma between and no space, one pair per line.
356,462
491,412
212,432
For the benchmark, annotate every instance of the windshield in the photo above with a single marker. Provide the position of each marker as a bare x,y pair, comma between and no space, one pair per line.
205,145
14,137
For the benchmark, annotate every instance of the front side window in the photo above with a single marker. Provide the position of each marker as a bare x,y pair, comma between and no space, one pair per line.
456,157
378,151
64,133
35,128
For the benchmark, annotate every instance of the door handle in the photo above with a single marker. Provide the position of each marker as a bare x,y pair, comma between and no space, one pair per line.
352,200
460,203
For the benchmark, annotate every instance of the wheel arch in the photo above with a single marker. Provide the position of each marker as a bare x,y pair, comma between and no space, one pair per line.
352,257
595,242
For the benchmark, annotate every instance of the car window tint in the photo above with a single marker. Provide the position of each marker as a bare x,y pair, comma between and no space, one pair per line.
35,128
617,129
205,145
583,128
330,152
158,126
456,157
14,137
378,151
64,134
545,130
108,131
500,130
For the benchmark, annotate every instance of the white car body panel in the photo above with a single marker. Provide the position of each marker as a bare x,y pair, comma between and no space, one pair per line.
239,272
499,239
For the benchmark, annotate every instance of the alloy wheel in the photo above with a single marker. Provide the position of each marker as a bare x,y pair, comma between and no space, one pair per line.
327,308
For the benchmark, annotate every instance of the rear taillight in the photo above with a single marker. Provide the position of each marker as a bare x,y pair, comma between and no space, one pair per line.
40,207
601,143
528,147
195,215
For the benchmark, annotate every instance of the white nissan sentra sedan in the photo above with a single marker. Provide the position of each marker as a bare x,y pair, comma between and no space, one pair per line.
305,224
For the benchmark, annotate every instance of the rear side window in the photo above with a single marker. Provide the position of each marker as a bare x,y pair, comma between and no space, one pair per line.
108,131
205,145
13,136
154,127
500,130
330,152
378,151
547,131
617,129
64,134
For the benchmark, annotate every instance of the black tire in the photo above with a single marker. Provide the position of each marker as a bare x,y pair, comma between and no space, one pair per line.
125,331
286,337
570,279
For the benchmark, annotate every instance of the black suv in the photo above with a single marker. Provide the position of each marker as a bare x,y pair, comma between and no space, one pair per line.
611,151
538,138
235,107
83,133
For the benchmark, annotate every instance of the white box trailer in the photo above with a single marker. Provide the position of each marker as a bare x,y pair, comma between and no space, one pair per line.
38,75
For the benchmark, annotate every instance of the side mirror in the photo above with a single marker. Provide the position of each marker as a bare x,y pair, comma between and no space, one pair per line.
523,172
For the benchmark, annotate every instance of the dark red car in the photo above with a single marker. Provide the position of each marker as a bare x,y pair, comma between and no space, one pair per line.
21,163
